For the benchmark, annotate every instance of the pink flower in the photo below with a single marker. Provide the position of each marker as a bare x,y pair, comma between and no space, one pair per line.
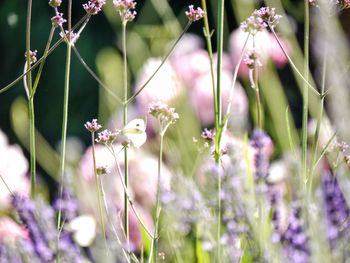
194,14
13,169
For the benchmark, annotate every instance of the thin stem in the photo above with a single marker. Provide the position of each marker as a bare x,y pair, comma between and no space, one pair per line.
207,35
305,94
29,86
220,31
292,63
64,125
92,73
154,246
35,65
128,196
6,185
98,190
125,119
161,64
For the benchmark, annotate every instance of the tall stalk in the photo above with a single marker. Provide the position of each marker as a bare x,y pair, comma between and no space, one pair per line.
305,95
125,120
220,33
65,107
30,105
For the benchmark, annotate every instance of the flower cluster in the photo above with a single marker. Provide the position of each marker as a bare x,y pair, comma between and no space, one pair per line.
194,14
107,137
165,115
340,4
58,20
55,3
93,7
294,239
261,162
67,204
337,210
251,59
92,126
124,7
260,19
32,55
208,135
70,38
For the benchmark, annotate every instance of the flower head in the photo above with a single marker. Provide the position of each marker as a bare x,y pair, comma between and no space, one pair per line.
92,126
55,3
268,16
260,141
253,24
93,7
251,59
124,7
194,14
72,37
32,55
165,115
107,137
58,20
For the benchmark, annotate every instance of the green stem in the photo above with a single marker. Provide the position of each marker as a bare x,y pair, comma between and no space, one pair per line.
38,75
320,115
35,65
161,64
64,125
305,95
98,190
125,119
207,35
30,105
154,246
220,33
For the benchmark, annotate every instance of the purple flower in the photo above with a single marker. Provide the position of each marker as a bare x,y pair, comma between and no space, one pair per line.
194,14
67,204
294,239
32,55
337,210
260,142
92,126
107,137
251,59
93,7
25,209
72,37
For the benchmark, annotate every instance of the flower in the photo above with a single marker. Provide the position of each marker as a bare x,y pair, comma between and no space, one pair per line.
337,209
32,55
107,137
124,8
165,115
93,7
260,141
253,24
58,20
70,38
194,14
251,59
92,126
268,15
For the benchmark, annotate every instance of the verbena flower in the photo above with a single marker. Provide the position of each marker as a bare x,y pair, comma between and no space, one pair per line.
194,14
208,134
251,59
260,19
58,20
107,137
253,24
93,7
124,7
67,204
55,3
92,126
72,37
269,16
337,209
165,115
32,55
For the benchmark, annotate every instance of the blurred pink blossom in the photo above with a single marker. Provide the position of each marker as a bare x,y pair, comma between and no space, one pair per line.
10,231
13,169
